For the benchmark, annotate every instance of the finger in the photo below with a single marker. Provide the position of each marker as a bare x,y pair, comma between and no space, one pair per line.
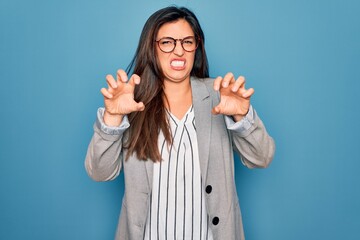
106,93
121,76
229,78
111,81
217,83
215,110
135,79
239,83
140,106
248,93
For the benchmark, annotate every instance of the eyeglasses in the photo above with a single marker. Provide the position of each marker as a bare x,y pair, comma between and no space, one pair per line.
168,44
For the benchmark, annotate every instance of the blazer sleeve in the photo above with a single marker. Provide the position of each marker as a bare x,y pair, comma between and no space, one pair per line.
254,145
103,160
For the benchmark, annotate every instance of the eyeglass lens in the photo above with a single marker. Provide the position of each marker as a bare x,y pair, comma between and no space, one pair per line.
168,44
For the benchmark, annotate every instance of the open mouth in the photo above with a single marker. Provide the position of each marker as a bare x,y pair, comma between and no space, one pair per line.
177,63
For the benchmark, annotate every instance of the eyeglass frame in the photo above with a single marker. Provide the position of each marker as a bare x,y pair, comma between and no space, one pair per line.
197,39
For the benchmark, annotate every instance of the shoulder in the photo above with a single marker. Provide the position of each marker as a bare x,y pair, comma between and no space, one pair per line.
206,81
203,86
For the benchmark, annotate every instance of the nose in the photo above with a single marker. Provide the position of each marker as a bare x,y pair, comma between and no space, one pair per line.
178,51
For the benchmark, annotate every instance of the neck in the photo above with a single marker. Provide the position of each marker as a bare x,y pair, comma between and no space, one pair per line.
174,90
178,97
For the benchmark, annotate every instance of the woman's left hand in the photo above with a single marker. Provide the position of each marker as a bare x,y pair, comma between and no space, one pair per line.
234,98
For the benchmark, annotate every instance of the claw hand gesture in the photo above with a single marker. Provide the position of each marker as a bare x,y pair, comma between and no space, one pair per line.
234,98
119,97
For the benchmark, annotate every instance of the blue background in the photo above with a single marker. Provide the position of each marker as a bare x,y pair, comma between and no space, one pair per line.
302,58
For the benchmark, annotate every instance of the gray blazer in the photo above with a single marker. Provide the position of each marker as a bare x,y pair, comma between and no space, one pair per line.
216,142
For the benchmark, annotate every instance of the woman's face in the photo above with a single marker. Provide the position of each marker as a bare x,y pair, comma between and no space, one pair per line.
176,65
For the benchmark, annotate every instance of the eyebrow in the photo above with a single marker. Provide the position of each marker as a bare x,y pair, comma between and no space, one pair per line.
177,38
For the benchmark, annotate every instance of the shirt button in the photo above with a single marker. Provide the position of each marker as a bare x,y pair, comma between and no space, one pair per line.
208,189
215,221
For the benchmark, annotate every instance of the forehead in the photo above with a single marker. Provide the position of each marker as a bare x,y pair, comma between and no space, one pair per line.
178,29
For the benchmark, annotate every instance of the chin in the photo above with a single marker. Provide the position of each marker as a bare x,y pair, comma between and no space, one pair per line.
177,78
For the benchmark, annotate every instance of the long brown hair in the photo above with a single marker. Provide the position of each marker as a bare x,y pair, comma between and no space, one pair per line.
146,125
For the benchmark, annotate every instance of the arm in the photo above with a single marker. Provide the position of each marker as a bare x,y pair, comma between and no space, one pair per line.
104,156
249,135
251,140
103,160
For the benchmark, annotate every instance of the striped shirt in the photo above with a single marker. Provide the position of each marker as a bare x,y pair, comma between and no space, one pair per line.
177,206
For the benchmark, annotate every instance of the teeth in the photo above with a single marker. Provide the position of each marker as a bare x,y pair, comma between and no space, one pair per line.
177,63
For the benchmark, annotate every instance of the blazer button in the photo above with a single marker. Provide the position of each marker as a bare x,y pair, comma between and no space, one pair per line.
208,189
215,221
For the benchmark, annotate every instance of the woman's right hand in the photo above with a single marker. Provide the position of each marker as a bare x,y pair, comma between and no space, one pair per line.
119,97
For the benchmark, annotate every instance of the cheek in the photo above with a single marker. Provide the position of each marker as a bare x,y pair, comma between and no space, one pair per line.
162,63
192,60
161,58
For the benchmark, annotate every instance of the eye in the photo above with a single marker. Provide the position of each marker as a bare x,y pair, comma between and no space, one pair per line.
166,41
189,41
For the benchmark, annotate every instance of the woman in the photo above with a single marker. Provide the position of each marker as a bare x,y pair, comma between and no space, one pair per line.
173,131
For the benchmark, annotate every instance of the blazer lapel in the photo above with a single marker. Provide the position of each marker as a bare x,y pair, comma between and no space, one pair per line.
149,164
202,110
